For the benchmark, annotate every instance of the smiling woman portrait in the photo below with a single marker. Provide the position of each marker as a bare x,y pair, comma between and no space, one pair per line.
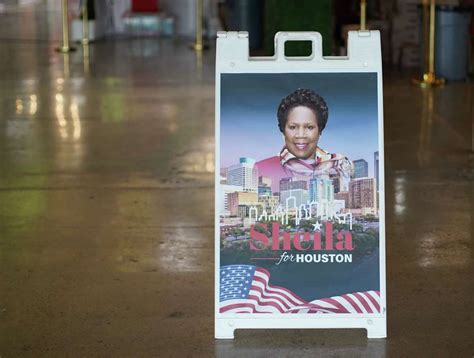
302,117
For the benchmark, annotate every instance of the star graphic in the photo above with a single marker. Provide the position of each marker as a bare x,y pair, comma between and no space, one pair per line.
317,226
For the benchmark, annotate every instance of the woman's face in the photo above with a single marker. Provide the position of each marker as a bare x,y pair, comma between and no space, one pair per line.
302,132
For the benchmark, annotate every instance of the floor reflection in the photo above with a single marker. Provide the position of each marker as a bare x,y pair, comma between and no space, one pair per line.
426,125
310,343
400,194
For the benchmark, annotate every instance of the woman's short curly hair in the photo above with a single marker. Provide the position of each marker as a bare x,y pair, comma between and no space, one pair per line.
305,98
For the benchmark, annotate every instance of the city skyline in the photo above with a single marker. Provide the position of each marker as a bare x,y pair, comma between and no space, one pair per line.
240,198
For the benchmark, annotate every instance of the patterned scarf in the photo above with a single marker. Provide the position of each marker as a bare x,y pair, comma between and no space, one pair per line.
324,163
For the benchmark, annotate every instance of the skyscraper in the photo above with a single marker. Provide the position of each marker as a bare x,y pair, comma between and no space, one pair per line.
299,184
320,189
284,184
244,174
362,193
290,184
361,168
336,182
268,203
238,199
376,169
224,197
343,195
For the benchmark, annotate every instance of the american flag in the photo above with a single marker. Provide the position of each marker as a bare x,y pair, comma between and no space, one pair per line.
247,289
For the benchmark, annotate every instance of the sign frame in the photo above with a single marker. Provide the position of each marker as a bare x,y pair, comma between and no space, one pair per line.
364,56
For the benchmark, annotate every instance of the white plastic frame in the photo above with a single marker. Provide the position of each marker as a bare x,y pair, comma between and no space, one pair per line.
364,55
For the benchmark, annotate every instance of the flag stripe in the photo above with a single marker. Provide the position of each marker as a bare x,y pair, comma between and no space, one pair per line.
263,302
346,306
356,302
352,303
372,299
247,289
264,294
264,287
334,302
363,300
253,308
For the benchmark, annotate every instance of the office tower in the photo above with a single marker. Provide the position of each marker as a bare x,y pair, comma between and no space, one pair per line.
336,182
361,168
343,195
376,169
284,184
269,203
290,184
239,199
298,184
224,197
362,193
244,174
320,189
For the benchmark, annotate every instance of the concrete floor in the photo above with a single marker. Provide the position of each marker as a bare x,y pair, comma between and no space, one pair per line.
106,215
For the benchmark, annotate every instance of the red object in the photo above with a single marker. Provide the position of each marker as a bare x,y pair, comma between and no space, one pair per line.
144,5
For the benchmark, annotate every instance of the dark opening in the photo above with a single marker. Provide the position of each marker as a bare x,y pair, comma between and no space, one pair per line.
298,48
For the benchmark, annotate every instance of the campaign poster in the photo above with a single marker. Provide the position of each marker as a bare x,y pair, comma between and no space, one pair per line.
298,195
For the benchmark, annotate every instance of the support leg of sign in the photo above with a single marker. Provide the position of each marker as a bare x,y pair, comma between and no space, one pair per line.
376,328
224,329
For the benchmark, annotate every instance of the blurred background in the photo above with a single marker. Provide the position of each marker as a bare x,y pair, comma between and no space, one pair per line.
399,21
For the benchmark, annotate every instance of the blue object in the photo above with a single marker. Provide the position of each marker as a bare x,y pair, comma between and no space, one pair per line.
452,42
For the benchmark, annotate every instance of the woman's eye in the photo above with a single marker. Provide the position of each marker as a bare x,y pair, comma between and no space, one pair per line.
311,128
292,127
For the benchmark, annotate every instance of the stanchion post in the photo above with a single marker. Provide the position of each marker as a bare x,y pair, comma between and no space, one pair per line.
65,25
85,24
363,12
199,44
426,33
429,78
432,38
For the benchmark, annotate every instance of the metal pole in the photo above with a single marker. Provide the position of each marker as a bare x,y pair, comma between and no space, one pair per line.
85,24
429,78
426,33
363,7
199,44
432,37
65,25
199,11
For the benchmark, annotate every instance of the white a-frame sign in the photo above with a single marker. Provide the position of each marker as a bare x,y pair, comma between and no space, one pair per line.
300,220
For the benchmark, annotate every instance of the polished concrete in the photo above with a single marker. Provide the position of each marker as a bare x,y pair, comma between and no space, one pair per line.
106,209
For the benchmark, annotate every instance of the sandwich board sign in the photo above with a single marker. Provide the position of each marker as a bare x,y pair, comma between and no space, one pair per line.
300,222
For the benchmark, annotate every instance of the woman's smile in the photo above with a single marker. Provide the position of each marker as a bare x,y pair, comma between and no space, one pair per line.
301,146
